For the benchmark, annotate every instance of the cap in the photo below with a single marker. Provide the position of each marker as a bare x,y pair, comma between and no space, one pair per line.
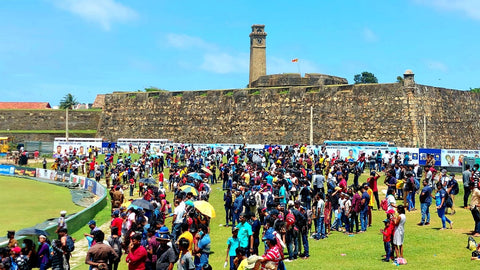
268,236
290,203
63,212
163,229
234,229
92,222
163,237
444,171
452,174
386,220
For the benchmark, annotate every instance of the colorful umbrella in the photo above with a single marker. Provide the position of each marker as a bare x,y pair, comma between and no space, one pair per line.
236,151
207,170
205,208
188,188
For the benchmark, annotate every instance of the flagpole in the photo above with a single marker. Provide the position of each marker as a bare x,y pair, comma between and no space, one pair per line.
298,65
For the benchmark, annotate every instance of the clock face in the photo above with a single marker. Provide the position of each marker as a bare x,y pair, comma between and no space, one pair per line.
259,40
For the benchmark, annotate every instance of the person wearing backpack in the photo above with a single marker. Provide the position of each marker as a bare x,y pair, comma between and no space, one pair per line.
440,201
452,189
68,246
115,241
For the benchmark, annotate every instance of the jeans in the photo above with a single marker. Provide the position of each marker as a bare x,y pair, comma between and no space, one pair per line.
305,242
346,222
353,220
337,221
388,250
466,194
441,215
236,218
425,212
232,266
409,200
320,228
281,265
201,261
364,219
228,215
476,218
176,231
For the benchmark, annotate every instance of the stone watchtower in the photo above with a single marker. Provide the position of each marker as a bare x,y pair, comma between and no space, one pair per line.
258,62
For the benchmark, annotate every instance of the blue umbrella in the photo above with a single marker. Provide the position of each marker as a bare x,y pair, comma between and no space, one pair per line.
195,175
31,232
143,203
148,181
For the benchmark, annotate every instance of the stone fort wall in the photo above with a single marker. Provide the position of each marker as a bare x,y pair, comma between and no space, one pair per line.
373,112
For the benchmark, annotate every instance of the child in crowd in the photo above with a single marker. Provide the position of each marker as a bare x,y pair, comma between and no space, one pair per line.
387,237
233,243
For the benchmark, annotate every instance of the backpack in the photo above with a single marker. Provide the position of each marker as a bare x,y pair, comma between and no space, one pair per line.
455,189
70,244
357,204
251,199
270,201
290,218
417,184
471,244
448,200
384,204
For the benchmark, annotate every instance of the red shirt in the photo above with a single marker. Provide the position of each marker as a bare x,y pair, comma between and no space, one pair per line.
372,183
117,222
160,177
137,258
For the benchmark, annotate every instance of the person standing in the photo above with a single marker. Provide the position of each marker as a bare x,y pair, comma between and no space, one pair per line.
440,198
372,183
137,254
399,233
318,182
245,234
43,252
466,176
474,208
364,211
62,222
100,255
425,201
202,247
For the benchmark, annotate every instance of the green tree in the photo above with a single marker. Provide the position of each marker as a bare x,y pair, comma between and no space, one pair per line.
475,90
399,79
68,101
365,77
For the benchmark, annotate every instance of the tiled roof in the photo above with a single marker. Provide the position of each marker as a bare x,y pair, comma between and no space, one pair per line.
24,105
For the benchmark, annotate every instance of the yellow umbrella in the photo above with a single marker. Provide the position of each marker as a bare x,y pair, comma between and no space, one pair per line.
188,188
205,169
205,208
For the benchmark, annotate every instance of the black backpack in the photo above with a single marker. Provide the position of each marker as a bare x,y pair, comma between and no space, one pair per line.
251,199
70,244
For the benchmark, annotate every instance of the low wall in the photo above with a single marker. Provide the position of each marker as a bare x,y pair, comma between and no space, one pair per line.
75,221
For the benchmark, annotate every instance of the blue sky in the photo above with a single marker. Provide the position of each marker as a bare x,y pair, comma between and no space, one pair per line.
49,48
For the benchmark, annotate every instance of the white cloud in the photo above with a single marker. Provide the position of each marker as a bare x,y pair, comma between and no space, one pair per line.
182,41
470,8
103,12
369,35
224,63
436,65
280,65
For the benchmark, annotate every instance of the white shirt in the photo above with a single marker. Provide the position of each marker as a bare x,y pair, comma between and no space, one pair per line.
179,211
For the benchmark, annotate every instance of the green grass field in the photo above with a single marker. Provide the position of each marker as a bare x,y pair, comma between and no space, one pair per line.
28,202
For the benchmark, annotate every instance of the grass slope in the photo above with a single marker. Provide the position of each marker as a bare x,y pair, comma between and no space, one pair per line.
27,203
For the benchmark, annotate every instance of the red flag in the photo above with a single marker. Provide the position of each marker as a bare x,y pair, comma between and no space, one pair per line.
295,60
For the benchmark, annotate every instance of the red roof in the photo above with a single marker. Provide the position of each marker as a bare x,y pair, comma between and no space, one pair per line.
24,105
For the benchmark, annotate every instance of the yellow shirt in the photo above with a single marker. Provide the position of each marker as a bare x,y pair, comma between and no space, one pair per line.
189,236
247,178
242,265
370,193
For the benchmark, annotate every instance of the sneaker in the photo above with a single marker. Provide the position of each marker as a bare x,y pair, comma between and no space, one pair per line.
427,223
287,260
420,224
385,260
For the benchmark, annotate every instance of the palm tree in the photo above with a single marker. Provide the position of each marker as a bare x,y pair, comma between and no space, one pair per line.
68,102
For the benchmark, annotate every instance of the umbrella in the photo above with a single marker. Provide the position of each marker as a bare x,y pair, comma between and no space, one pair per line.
31,232
205,169
143,203
188,188
166,152
205,208
236,151
148,181
195,175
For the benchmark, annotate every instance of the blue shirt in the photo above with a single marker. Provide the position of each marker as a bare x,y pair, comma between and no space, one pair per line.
367,201
439,196
204,243
244,232
233,243
283,192
428,192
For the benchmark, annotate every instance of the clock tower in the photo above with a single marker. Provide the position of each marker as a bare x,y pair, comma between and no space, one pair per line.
258,62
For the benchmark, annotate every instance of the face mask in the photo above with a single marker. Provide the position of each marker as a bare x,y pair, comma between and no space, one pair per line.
39,243
201,234
23,245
